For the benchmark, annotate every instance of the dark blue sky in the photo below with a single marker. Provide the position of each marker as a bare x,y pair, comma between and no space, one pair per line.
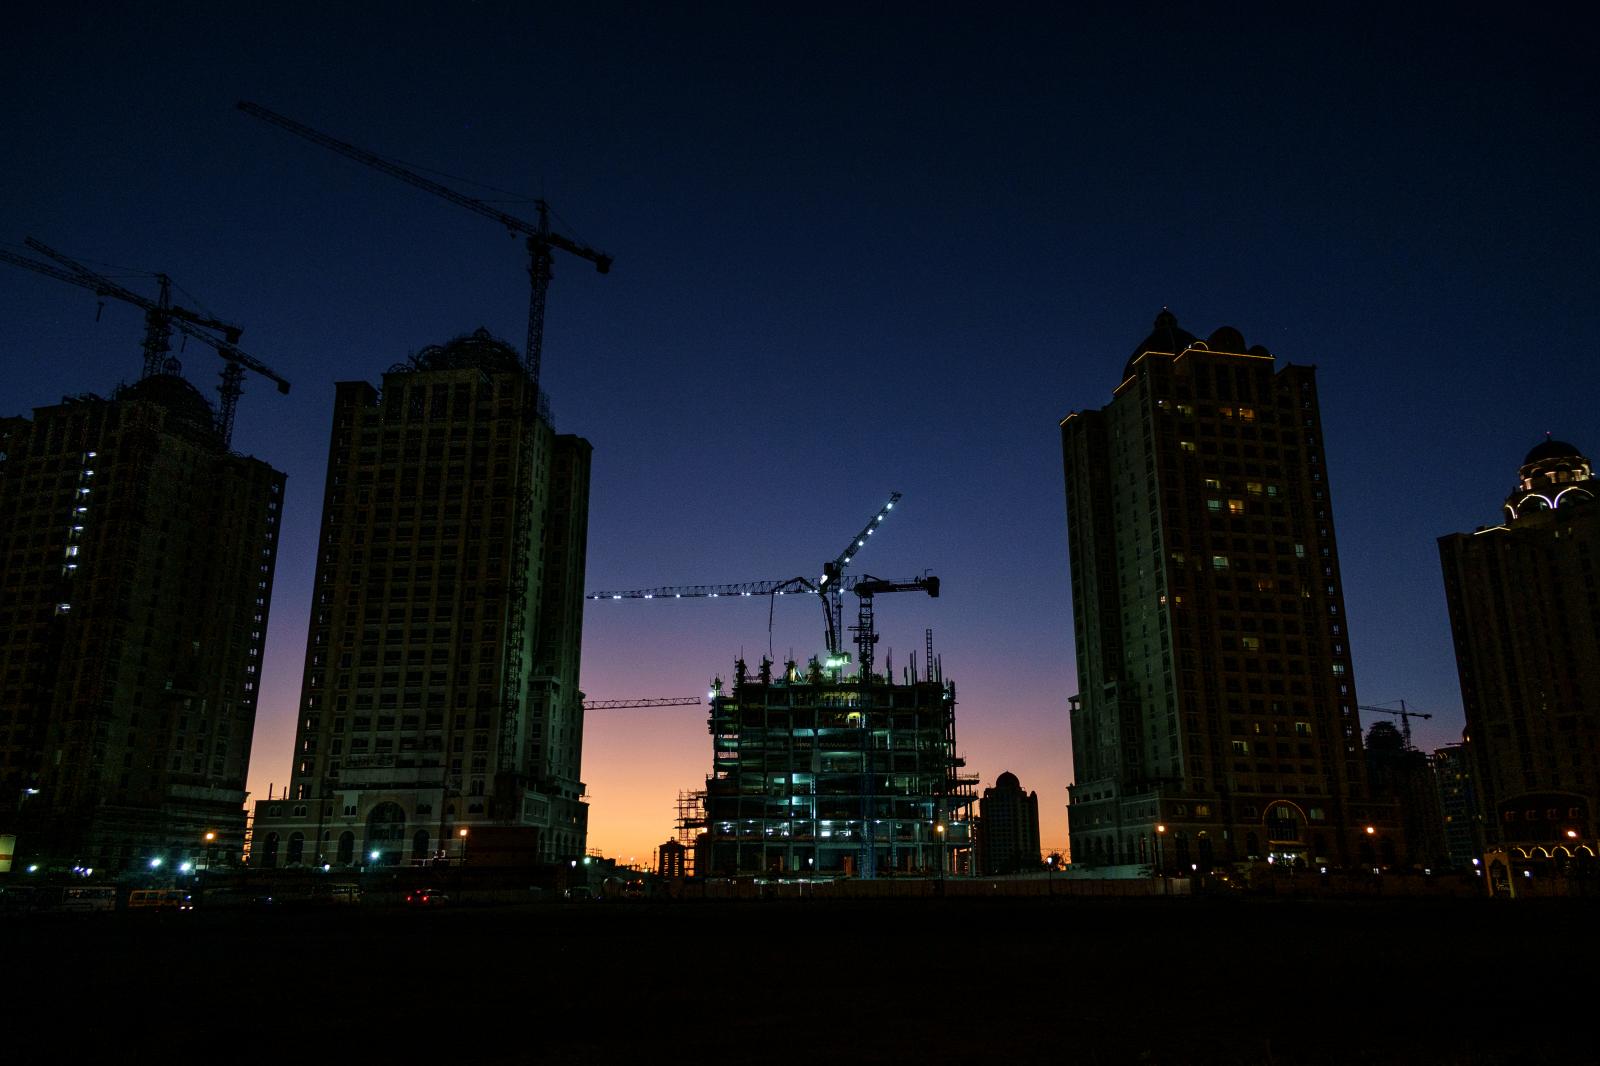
854,253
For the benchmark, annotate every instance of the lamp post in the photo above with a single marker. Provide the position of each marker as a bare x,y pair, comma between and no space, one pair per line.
461,871
938,830
1161,858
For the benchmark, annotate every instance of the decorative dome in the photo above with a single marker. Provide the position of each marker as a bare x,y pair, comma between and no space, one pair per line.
1008,780
1166,336
479,351
1549,449
181,399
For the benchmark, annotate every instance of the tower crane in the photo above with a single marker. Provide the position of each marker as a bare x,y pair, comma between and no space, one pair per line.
830,588
651,701
1405,715
161,318
541,240
866,587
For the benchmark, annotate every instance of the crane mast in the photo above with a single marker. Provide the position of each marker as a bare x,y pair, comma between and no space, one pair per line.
541,240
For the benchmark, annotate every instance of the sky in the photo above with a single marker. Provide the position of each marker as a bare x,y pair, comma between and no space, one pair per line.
858,250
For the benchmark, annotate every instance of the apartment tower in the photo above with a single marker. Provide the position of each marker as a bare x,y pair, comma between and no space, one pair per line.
136,563
441,672
1216,718
1524,600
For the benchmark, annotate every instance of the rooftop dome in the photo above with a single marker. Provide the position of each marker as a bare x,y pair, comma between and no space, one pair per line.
478,351
1548,449
1008,780
1166,336
181,399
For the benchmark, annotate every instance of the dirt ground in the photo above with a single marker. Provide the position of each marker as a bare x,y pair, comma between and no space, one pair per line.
901,981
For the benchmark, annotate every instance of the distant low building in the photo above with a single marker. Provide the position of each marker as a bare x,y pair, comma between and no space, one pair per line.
1008,828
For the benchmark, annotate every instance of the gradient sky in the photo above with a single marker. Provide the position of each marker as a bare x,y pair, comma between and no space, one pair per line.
855,253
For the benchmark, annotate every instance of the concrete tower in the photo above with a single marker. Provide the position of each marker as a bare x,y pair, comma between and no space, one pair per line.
1217,716
441,673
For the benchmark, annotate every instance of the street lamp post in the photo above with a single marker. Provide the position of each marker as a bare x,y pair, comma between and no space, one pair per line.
1161,857
461,871
939,835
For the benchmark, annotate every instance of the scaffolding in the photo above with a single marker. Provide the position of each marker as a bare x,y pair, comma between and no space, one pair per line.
814,775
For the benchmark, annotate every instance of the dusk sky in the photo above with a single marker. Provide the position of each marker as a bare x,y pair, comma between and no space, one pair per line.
855,253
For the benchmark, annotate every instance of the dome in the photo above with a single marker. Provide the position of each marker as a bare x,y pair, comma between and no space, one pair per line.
181,399
478,351
1549,449
1008,780
1166,336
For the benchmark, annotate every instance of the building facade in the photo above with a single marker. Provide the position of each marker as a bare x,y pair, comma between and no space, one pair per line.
820,775
1524,601
136,566
1216,718
441,672
1008,828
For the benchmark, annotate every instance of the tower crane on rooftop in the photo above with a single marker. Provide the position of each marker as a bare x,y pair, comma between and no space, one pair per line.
830,587
541,240
161,318
1405,715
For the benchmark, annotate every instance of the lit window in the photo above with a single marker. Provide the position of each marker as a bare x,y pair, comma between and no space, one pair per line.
1214,505
1302,729
1299,551
1219,562
1247,414
1253,487
1241,747
1187,445
1250,643
1214,484
1236,506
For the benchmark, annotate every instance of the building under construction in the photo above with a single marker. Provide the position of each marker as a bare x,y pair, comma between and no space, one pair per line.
815,774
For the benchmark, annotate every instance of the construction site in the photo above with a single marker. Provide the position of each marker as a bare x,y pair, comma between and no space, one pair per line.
835,768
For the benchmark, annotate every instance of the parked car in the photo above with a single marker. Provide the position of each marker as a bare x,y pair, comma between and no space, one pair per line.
427,897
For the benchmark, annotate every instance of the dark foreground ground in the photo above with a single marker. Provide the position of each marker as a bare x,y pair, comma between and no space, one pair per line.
900,981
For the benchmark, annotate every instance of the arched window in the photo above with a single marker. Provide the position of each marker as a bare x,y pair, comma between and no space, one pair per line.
297,848
347,848
268,851
419,844
386,830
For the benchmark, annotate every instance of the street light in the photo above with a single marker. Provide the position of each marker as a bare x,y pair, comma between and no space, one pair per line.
1161,858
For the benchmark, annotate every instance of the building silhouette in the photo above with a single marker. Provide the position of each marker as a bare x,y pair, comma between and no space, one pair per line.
441,671
1216,718
136,565
1398,772
1008,828
1522,597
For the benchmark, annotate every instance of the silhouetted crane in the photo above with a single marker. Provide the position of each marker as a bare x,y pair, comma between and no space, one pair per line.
541,239
1405,715
161,318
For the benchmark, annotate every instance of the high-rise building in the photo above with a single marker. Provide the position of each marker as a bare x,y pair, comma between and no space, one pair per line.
814,773
136,563
441,671
1458,805
1524,600
1008,828
1216,718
